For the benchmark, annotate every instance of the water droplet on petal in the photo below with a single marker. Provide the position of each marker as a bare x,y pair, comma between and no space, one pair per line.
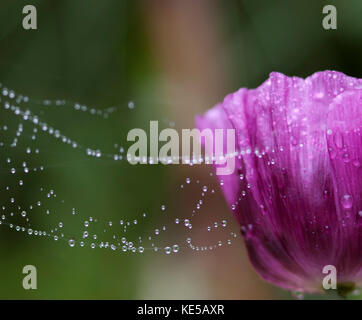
347,201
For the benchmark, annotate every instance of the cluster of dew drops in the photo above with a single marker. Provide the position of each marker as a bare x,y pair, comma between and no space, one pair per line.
20,106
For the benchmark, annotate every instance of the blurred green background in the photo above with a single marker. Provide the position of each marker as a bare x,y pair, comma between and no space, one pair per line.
173,59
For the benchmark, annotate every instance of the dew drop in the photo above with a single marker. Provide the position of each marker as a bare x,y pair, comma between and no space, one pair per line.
347,201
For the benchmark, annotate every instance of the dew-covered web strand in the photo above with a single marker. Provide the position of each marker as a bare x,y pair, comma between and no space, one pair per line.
19,105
